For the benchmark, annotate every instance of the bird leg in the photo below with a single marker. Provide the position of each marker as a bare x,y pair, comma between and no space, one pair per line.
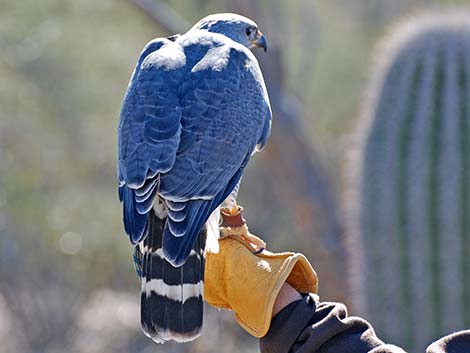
234,209
234,225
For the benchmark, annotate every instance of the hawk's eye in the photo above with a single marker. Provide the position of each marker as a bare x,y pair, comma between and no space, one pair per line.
249,30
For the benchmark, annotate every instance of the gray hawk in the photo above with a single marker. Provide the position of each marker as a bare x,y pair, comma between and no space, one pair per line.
195,110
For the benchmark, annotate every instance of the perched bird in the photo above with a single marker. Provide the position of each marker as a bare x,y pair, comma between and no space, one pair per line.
195,110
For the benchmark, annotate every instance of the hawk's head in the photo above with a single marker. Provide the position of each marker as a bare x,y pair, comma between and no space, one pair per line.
236,27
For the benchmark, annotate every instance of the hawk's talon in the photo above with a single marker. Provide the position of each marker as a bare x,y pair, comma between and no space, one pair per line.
259,251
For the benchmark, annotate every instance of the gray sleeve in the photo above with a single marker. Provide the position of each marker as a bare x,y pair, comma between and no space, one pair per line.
310,326
458,342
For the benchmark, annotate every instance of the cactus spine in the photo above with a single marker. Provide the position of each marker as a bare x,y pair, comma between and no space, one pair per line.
411,244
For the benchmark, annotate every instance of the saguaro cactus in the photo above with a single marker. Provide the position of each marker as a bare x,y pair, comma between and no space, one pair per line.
410,246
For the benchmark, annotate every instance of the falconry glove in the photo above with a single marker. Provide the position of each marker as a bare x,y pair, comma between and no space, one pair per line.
245,278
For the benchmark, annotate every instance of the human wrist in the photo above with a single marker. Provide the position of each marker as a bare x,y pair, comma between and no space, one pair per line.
286,295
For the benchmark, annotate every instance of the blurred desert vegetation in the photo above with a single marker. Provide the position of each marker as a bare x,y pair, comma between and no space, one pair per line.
66,278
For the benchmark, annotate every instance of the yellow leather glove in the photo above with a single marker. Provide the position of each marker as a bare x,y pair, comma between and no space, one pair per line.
245,278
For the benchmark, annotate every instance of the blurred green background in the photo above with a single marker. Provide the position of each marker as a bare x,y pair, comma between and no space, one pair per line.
66,277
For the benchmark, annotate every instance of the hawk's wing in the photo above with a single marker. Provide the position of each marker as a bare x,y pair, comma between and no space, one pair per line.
192,116
148,138
150,122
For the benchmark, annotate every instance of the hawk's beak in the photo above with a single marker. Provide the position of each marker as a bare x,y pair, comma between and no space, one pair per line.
260,42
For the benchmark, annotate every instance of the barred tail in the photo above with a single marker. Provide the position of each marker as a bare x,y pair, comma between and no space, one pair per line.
172,297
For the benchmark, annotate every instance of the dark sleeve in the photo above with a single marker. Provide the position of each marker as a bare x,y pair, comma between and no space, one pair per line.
309,326
458,342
